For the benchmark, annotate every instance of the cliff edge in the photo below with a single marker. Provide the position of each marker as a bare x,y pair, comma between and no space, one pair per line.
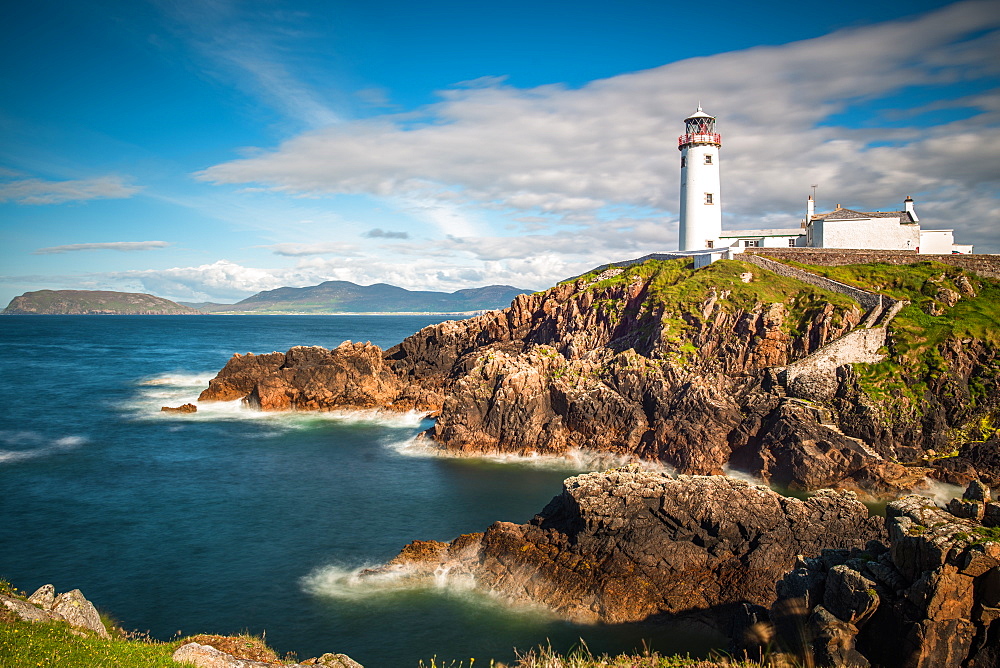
731,365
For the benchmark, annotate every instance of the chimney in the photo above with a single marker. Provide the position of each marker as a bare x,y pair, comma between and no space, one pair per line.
810,211
908,208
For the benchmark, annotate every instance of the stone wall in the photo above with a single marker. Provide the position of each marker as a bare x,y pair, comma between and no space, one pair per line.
871,302
984,265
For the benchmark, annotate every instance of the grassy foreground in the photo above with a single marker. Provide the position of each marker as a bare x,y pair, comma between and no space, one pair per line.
27,644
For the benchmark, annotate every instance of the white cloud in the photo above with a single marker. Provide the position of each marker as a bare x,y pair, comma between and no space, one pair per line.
111,245
40,191
221,280
573,152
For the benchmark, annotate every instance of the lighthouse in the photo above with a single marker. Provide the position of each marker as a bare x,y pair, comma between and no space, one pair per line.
701,205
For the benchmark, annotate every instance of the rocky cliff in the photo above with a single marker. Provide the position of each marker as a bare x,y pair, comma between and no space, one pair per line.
93,302
699,369
929,599
630,545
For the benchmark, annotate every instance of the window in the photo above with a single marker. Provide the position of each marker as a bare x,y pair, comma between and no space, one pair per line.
708,198
751,243
791,243
709,243
708,158
683,161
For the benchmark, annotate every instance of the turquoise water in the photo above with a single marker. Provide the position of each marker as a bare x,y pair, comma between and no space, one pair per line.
229,520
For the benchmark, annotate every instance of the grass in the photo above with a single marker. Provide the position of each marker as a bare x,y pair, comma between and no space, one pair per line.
680,291
916,361
582,657
25,644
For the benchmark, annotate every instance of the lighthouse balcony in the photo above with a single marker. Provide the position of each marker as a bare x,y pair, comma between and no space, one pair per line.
707,138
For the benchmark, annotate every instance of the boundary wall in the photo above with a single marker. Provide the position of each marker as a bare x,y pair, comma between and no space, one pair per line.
984,265
871,302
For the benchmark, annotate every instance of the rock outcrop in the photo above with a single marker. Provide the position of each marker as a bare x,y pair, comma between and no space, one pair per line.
694,368
931,599
630,545
70,607
206,656
184,408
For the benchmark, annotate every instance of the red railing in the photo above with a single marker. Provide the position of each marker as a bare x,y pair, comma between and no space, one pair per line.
711,138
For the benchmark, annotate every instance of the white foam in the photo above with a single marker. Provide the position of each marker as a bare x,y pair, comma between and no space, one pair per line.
939,492
574,460
182,387
43,446
335,581
350,584
744,476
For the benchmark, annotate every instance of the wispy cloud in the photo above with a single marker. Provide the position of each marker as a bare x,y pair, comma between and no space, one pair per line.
378,233
302,249
250,48
125,246
40,191
611,144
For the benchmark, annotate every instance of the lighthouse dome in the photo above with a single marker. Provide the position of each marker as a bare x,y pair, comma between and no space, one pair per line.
698,114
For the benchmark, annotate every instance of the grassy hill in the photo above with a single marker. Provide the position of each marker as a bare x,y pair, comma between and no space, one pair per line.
347,297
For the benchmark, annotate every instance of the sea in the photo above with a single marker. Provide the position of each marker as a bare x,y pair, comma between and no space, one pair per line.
231,520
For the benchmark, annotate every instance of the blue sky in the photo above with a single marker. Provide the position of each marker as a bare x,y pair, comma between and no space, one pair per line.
210,149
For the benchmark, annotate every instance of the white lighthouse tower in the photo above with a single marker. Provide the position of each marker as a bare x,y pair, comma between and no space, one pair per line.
701,205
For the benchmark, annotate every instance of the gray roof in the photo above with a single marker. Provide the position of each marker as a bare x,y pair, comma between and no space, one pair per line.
851,214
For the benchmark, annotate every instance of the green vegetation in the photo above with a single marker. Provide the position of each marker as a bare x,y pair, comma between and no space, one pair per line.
55,644
918,338
988,534
680,292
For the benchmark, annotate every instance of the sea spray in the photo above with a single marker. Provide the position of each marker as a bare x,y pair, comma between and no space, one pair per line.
32,445
377,583
574,460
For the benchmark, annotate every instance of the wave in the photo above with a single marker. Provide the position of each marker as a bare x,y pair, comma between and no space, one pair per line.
939,492
353,584
335,581
575,460
38,445
183,387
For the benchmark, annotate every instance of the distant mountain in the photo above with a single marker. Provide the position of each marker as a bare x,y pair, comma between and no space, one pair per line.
347,297
93,302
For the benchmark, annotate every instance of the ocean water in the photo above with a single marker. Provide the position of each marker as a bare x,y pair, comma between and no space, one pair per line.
231,520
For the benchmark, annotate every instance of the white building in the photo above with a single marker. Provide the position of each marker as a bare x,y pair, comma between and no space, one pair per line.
701,212
701,202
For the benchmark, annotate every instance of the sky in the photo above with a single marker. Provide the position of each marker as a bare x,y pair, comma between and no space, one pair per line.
205,150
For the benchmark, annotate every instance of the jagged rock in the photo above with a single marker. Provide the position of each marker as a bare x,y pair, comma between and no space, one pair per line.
71,607
793,449
28,612
931,603
206,656
849,596
336,661
185,408
308,378
44,597
613,364
627,545
78,611
834,641
241,374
